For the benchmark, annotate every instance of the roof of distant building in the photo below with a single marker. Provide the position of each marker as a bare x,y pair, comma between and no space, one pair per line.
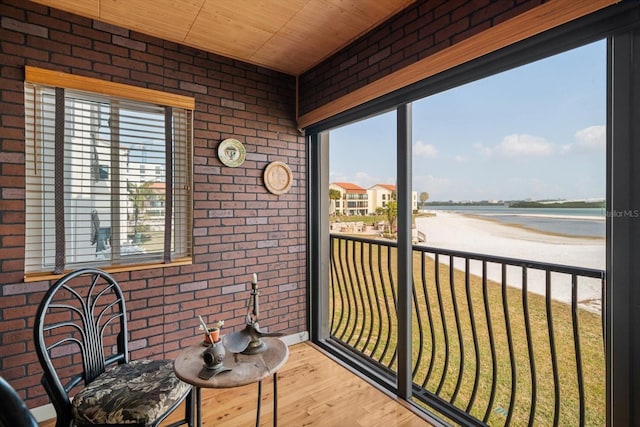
349,187
157,185
389,187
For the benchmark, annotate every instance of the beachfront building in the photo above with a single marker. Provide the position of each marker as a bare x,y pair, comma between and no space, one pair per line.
353,199
380,194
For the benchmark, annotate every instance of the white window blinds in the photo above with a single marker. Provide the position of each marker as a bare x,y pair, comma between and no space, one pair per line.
108,181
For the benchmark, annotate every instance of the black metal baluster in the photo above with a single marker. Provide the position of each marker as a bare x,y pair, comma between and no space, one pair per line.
416,305
370,289
358,296
445,331
576,343
344,298
532,360
431,326
512,357
456,313
377,298
492,343
474,332
387,343
353,291
333,285
423,274
552,348
394,299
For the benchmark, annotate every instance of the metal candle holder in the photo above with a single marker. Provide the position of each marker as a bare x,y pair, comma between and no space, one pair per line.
248,340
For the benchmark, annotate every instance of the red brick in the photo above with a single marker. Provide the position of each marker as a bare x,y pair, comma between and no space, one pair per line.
102,26
16,360
471,8
24,27
510,13
24,51
112,71
9,36
128,43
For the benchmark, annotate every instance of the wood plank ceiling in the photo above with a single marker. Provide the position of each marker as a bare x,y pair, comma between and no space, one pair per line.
284,35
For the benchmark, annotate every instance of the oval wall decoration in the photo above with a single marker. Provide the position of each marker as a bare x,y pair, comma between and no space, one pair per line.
231,152
278,178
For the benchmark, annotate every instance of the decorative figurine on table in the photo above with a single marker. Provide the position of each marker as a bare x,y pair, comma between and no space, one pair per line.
214,354
248,340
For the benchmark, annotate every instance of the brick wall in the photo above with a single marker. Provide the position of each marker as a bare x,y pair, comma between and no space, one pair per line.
422,29
239,228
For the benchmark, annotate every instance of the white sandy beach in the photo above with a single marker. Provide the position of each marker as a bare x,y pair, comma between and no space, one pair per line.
459,232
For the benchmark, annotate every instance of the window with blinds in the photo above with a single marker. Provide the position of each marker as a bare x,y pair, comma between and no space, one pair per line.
108,180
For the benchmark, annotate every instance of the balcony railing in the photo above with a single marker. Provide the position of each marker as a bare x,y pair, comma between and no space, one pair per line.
496,341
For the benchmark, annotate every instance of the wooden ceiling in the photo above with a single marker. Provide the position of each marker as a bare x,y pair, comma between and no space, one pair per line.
284,35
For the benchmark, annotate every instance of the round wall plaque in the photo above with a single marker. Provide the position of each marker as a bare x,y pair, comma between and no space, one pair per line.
278,177
231,152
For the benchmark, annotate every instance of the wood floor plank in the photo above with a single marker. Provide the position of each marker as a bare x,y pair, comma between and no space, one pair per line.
313,390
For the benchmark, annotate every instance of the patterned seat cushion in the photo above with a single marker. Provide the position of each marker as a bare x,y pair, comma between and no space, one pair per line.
133,393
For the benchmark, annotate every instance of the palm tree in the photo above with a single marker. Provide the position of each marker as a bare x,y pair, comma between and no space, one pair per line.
391,211
138,195
424,196
333,196
380,211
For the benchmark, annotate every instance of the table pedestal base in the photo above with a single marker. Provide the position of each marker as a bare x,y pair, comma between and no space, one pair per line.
198,403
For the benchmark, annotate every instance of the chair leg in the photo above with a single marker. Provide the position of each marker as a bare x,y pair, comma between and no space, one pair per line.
188,419
275,399
189,405
259,404
63,421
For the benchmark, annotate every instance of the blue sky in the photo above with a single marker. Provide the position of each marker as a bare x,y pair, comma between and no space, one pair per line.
535,132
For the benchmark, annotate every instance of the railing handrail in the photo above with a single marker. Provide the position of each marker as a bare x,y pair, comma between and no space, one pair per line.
556,268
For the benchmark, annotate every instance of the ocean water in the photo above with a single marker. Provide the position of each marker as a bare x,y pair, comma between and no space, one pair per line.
580,222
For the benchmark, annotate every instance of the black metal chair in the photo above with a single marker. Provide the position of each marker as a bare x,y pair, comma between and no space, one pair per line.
80,335
13,411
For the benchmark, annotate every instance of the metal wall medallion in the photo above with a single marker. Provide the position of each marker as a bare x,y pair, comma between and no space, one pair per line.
278,177
231,152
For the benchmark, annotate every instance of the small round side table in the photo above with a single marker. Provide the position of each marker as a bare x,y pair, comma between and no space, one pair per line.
245,369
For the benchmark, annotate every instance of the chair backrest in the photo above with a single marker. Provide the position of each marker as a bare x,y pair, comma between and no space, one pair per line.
13,411
80,329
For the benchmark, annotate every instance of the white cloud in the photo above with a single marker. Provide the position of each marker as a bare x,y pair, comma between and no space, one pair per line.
365,180
483,149
592,138
338,177
422,149
362,179
515,145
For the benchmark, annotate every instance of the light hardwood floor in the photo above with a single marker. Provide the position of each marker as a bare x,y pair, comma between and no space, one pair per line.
313,390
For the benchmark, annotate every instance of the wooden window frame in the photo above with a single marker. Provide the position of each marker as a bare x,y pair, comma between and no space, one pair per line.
183,105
